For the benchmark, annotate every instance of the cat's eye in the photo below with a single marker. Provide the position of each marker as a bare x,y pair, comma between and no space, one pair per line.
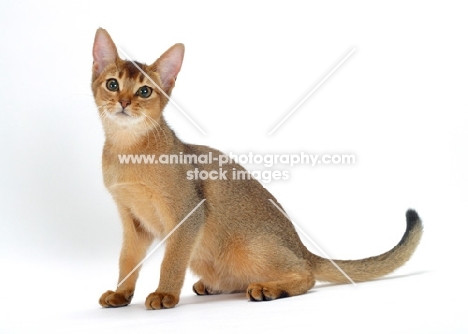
144,92
112,85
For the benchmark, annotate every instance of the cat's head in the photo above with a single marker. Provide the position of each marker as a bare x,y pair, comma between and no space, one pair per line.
128,97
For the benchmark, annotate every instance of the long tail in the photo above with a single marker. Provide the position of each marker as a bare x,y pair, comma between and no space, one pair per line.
376,266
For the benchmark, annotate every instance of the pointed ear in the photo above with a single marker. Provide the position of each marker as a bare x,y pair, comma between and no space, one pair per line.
168,66
104,51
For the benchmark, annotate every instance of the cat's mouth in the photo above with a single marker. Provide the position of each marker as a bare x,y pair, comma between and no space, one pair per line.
122,113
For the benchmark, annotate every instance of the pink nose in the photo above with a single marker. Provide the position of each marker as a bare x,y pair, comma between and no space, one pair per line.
124,103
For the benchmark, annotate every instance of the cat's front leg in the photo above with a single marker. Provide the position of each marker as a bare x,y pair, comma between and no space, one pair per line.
136,241
174,266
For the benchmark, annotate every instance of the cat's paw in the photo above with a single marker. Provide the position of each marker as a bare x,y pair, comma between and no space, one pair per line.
158,300
201,289
263,292
116,299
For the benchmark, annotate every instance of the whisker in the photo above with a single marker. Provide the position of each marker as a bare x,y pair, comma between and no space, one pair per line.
155,126
152,131
162,130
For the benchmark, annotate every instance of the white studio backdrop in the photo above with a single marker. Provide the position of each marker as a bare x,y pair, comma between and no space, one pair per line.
398,103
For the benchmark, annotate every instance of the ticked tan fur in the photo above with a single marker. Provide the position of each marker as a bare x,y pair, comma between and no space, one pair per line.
237,240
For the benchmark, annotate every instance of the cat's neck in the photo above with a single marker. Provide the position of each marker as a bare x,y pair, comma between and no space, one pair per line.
155,138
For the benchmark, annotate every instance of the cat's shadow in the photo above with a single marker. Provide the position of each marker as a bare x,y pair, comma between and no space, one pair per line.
194,299
328,285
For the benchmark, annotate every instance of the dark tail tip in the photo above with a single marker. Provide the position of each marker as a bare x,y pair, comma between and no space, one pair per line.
412,218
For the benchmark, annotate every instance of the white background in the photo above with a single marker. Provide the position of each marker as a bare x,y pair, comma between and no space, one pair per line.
398,103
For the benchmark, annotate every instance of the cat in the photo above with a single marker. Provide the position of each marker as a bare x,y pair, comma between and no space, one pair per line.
238,239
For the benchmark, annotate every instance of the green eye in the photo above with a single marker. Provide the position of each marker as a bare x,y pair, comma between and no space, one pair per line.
112,85
144,92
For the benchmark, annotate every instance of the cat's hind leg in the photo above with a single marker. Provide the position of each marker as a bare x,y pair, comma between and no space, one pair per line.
289,285
277,272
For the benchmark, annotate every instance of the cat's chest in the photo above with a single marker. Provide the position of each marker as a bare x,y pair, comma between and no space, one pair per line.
145,204
139,189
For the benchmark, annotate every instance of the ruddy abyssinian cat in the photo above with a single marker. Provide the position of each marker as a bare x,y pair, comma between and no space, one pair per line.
237,240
